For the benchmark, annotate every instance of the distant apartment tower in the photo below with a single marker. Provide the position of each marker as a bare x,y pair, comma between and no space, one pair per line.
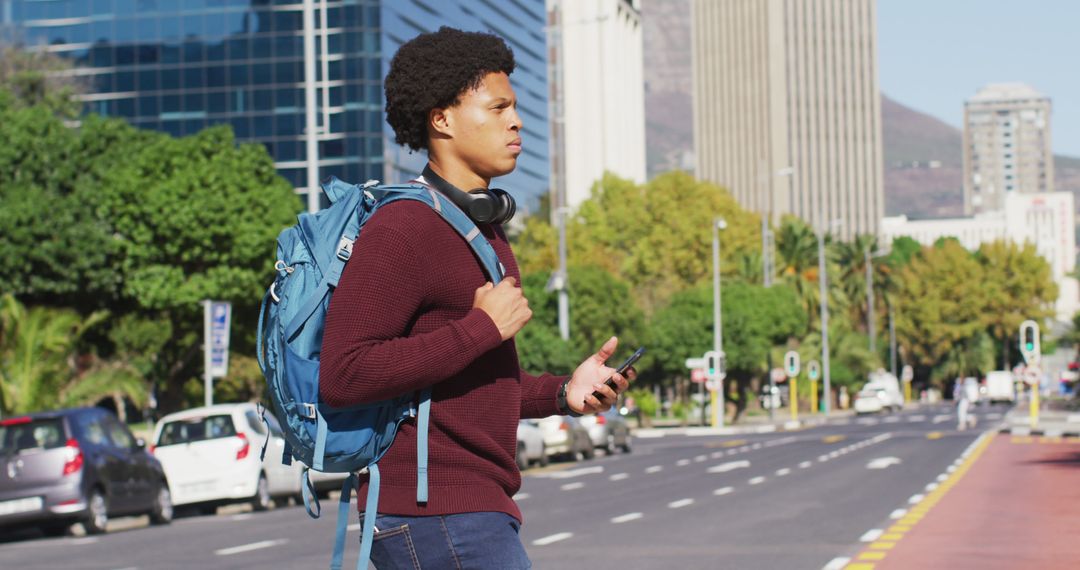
1006,146
787,111
598,94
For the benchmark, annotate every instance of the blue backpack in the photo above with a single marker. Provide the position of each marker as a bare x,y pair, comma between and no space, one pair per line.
310,259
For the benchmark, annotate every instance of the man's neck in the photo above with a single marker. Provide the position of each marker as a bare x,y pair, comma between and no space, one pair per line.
457,173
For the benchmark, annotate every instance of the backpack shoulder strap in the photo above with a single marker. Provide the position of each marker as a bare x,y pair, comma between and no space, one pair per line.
453,215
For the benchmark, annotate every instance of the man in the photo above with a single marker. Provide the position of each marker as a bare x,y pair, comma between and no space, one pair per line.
421,313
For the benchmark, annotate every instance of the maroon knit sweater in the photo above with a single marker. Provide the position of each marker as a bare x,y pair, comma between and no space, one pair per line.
402,320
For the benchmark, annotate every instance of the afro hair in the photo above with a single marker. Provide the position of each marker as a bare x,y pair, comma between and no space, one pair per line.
432,71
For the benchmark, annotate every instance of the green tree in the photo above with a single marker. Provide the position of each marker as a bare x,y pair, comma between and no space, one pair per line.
601,307
940,305
1020,287
38,78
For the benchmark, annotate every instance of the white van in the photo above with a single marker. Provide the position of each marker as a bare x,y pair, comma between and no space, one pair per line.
882,387
1000,386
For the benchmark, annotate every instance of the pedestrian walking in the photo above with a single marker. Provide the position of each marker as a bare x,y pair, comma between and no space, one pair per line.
422,314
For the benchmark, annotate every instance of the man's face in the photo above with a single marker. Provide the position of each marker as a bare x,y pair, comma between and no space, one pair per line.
486,128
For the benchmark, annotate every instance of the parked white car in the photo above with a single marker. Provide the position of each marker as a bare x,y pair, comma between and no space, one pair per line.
530,445
211,456
565,436
1000,386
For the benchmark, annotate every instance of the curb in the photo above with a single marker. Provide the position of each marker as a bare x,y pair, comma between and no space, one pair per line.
1017,430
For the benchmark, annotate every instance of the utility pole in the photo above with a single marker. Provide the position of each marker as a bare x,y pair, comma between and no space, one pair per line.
870,301
718,327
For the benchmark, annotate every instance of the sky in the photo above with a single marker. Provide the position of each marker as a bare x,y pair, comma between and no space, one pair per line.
934,54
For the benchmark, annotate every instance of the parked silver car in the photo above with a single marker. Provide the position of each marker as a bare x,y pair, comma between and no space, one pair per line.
565,436
77,465
530,445
608,431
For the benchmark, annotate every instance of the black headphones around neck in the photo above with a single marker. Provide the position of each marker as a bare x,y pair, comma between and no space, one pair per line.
482,205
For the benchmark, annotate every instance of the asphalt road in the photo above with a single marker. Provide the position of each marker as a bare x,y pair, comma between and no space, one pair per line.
786,500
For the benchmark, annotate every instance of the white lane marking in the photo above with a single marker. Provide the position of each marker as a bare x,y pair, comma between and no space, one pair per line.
552,538
756,446
680,503
574,472
942,478
898,513
249,547
950,469
841,422
572,486
837,563
85,540
744,448
871,535
618,476
655,469
918,418
240,517
781,441
717,454
931,487
891,420
823,458
782,472
729,466
521,496
682,463
834,454
626,518
805,465
723,491
883,462
942,418
916,498
700,458
756,481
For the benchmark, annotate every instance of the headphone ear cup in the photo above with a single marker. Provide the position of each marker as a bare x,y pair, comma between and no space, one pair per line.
483,207
507,205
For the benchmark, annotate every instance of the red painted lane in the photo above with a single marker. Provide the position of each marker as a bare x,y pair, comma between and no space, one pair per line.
1017,508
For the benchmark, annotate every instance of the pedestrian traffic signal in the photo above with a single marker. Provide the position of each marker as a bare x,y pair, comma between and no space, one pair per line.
1029,341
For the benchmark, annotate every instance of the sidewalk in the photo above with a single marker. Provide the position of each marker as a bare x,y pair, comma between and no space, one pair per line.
746,425
1050,422
1012,503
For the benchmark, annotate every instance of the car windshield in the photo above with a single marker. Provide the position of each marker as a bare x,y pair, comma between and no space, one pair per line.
23,434
201,428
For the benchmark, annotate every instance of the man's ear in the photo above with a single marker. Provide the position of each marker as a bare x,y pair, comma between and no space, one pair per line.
439,121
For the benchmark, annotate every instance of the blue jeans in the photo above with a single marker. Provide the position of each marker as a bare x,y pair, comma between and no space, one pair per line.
479,541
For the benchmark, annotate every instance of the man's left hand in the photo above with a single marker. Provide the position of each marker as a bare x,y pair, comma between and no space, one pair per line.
590,376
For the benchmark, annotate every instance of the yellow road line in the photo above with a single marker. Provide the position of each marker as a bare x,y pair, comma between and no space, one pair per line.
934,435
733,443
833,438
878,550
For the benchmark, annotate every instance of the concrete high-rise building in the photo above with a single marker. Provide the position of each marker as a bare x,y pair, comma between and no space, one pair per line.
787,111
598,94
1006,146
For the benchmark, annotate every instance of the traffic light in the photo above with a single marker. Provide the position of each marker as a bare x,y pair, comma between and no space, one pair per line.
1029,341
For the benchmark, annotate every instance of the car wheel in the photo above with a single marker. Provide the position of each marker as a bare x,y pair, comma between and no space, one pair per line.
162,513
261,501
97,513
609,444
589,451
543,461
519,457
626,444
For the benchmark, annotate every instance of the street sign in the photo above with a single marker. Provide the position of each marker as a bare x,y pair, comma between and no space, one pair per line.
1029,341
791,364
813,369
908,373
697,376
712,385
778,375
696,363
1032,374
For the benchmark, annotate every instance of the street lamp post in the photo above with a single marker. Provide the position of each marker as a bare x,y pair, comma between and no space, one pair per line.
767,265
718,329
826,386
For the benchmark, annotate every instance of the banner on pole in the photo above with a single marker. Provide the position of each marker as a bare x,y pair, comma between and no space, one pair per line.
220,314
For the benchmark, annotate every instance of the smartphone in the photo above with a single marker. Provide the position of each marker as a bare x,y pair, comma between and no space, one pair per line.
610,382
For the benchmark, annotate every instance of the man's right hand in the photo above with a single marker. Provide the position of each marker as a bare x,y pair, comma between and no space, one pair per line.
505,304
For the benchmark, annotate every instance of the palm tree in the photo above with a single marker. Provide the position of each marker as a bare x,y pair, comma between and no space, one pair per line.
38,347
797,261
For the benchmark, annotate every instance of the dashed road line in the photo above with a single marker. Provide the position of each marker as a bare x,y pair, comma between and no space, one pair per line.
655,469
619,476
756,480
521,496
729,466
626,518
871,535
551,539
680,503
249,547
805,465
782,472
723,491
572,486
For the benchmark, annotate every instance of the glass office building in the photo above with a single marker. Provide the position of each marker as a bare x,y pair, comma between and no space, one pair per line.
179,66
